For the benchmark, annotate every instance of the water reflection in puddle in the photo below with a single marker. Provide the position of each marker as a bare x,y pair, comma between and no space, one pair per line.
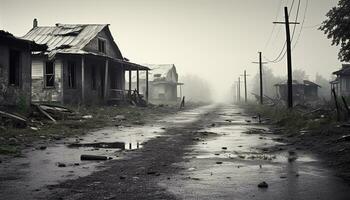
230,165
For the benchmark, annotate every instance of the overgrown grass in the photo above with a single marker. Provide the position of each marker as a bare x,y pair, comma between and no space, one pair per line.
292,120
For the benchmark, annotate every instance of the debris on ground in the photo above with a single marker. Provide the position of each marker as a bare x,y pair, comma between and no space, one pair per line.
93,157
112,145
87,117
13,120
263,185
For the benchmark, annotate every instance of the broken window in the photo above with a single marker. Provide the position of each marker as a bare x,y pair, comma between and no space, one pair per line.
101,45
71,75
14,70
49,74
93,78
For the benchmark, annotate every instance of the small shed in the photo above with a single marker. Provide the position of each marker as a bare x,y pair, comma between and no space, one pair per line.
302,91
163,83
15,69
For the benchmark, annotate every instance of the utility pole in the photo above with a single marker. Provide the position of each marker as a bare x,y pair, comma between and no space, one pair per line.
261,79
239,89
245,85
289,56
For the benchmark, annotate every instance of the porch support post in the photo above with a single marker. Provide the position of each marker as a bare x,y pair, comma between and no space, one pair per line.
138,80
106,80
180,91
129,81
83,79
147,86
123,81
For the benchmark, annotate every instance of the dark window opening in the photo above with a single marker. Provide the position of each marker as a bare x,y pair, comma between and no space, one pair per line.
93,78
71,75
14,71
49,74
101,46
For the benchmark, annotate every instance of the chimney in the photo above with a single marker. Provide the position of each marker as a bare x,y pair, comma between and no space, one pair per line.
35,23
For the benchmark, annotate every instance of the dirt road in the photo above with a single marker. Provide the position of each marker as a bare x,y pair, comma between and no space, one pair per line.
205,153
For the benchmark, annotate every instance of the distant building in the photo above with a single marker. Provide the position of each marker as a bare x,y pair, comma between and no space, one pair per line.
163,83
83,64
342,82
302,91
15,69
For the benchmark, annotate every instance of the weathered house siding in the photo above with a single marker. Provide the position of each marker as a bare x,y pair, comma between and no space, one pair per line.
111,50
39,91
344,85
11,94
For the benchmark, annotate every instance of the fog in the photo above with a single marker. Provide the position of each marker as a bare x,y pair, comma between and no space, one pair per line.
210,39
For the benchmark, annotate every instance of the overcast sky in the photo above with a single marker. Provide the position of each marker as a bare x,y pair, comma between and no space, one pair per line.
214,39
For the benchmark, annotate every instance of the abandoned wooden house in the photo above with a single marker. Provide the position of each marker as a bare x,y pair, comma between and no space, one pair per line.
15,69
341,84
302,91
163,83
83,65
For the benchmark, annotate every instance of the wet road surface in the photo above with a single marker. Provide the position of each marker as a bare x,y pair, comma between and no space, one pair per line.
22,177
228,164
232,164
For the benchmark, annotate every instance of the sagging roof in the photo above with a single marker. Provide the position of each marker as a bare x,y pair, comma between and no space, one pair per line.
345,70
64,38
295,82
71,39
6,37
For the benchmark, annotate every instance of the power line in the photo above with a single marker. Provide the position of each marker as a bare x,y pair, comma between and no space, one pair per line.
274,25
293,33
285,43
302,24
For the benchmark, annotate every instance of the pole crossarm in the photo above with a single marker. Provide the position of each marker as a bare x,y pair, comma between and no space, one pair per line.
285,22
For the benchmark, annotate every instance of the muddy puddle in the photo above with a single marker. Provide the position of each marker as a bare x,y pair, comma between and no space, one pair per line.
232,164
61,160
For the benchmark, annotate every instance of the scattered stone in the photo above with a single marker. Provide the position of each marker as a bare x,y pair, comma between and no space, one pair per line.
263,185
119,117
219,162
34,128
12,141
122,177
61,165
42,147
87,117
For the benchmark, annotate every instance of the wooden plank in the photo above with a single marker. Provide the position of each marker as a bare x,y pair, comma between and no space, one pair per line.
45,113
